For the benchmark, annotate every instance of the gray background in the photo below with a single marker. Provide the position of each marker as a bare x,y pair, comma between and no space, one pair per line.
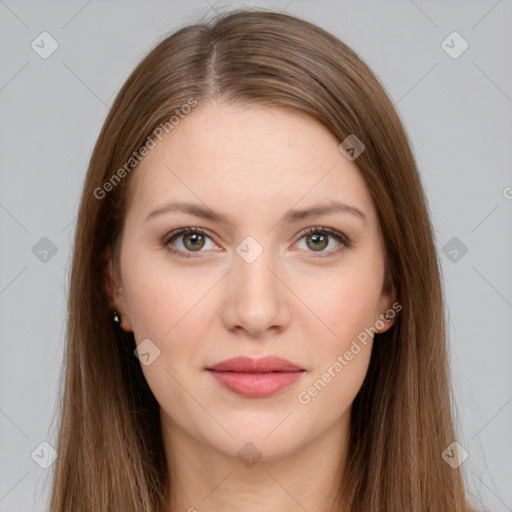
457,112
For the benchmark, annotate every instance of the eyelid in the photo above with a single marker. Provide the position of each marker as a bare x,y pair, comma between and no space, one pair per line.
323,230
176,233
339,236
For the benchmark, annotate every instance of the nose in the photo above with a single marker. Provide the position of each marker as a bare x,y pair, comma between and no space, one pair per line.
256,300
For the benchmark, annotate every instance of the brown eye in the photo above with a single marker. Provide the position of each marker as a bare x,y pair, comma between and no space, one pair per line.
318,239
191,240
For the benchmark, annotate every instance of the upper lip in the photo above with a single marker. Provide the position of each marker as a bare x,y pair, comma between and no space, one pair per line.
245,364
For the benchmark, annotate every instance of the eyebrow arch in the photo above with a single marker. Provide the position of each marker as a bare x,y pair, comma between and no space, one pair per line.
291,216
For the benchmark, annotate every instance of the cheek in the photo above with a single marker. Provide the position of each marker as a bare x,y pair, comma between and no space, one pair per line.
173,308
340,357
344,301
170,307
161,298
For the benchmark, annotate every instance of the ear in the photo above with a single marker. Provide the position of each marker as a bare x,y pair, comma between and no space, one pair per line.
114,290
388,304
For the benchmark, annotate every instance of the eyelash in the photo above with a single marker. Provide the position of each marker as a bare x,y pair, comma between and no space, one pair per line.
340,237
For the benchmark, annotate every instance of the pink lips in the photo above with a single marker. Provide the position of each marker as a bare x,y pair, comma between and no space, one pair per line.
256,377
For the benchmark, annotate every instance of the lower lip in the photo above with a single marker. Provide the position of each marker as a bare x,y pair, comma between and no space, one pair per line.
256,384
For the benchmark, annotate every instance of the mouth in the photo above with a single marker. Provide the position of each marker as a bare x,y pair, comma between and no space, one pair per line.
256,377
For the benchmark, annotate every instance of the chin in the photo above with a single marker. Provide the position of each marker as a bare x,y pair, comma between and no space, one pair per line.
250,450
259,440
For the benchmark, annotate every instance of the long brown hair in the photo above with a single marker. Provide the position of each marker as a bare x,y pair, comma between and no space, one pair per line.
111,454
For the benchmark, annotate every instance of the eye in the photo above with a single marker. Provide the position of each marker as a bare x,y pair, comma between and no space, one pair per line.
317,239
194,239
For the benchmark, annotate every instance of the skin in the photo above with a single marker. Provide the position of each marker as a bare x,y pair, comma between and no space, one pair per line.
253,164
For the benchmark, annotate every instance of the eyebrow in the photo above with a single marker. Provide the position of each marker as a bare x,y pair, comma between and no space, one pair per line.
291,216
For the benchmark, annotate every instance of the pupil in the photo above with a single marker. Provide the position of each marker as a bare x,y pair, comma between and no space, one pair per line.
194,240
318,240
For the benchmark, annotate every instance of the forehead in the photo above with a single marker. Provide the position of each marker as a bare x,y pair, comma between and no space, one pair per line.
249,159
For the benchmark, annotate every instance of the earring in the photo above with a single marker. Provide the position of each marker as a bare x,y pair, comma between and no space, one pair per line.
116,318
386,317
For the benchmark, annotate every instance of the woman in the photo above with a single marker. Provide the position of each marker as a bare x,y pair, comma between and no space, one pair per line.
256,316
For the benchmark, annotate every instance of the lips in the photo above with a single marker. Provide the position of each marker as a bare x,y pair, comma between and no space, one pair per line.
262,365
256,377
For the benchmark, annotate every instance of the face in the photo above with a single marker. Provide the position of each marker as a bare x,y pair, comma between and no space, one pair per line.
257,280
